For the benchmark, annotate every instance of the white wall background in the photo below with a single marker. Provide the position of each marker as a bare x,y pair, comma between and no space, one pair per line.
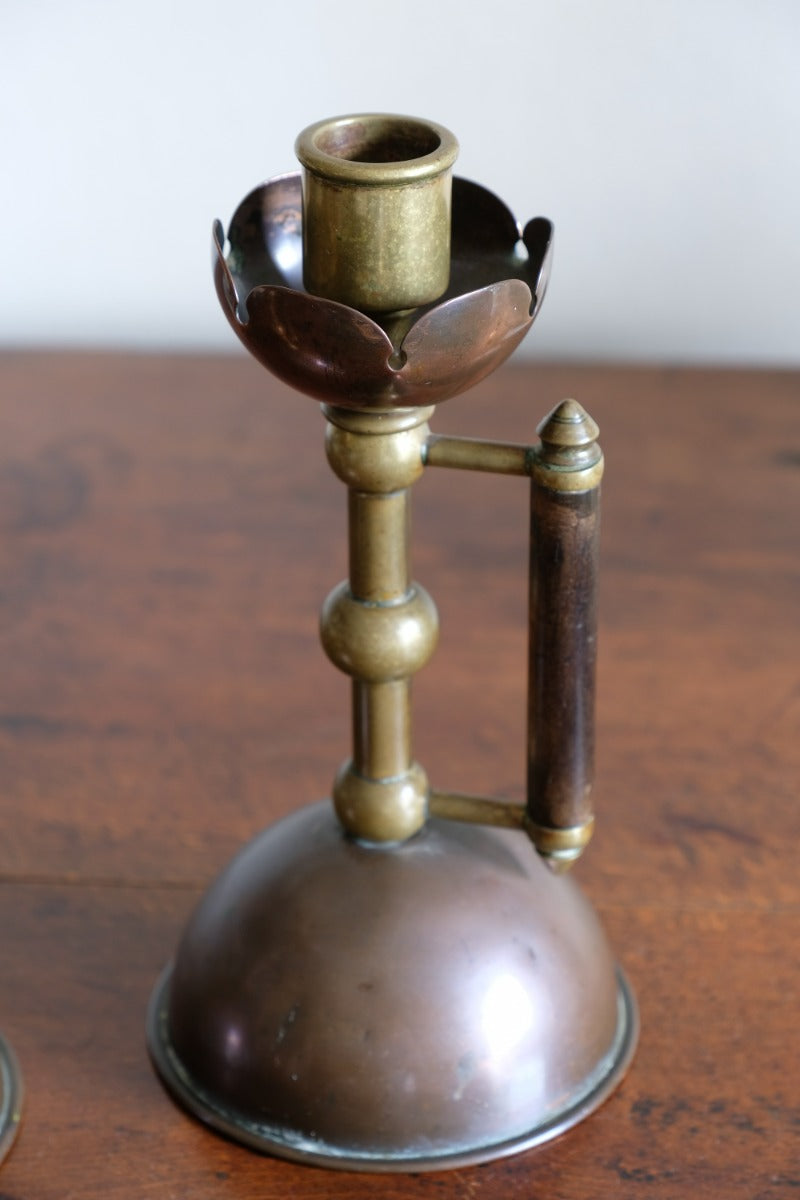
661,136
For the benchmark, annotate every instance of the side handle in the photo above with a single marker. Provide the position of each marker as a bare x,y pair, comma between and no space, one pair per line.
565,524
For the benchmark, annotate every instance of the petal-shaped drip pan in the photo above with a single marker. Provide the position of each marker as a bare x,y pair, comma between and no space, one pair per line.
498,277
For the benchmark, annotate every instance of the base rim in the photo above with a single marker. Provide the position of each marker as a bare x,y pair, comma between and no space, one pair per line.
296,1148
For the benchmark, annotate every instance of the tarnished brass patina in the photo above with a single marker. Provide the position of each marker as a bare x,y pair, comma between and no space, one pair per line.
376,202
10,1097
399,981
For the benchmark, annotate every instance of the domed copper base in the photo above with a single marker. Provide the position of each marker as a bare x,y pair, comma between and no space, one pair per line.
429,1005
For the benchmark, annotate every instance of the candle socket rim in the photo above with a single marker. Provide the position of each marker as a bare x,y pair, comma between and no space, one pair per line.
317,148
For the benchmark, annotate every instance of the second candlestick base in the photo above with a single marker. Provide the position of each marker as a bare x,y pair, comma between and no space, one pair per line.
10,1097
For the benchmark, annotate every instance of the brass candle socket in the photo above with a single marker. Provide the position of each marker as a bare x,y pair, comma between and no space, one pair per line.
397,981
376,203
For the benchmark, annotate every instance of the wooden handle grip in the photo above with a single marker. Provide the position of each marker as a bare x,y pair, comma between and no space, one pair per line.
565,524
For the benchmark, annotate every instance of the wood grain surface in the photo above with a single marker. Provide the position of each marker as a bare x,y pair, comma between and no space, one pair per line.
168,530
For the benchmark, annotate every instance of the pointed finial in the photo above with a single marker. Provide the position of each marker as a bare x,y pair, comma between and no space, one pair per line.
569,458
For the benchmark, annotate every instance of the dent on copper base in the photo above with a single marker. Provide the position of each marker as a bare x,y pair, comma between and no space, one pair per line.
441,1003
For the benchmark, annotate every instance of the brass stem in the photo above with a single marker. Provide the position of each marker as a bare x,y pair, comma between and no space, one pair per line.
378,535
379,627
381,728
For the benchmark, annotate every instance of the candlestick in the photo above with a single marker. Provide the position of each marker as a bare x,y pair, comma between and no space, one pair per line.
402,979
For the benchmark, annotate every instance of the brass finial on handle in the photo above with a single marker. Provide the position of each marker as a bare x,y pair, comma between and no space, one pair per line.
376,201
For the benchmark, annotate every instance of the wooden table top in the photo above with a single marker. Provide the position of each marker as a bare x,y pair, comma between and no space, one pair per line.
169,529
